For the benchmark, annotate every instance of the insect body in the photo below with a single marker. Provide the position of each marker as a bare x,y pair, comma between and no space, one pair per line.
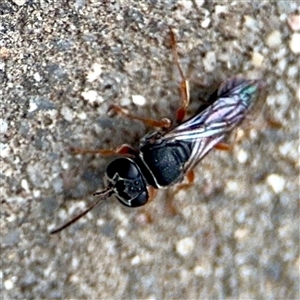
164,157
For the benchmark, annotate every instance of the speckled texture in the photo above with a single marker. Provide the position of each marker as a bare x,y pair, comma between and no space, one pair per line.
236,231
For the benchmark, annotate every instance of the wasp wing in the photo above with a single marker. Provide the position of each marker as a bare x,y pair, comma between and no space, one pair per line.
234,99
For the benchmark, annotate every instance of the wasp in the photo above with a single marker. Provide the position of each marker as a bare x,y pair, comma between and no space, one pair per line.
165,156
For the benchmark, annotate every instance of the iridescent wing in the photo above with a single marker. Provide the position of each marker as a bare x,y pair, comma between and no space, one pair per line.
235,97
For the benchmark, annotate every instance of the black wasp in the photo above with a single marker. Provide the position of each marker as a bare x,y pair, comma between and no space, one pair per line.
164,157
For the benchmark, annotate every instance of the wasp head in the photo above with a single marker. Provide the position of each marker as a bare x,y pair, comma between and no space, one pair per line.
126,179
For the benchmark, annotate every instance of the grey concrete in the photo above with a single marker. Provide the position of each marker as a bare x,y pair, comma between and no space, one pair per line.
235,234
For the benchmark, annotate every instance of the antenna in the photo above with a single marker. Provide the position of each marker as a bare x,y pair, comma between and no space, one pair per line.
103,196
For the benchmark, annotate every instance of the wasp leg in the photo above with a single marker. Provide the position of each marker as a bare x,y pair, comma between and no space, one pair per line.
152,193
124,149
223,147
190,181
170,207
163,123
184,84
144,217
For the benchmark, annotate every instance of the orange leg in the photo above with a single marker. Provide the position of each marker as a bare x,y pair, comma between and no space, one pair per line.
223,147
190,181
144,217
184,84
124,149
171,209
163,123
152,193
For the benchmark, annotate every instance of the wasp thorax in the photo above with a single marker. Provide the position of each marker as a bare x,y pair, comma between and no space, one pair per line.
125,176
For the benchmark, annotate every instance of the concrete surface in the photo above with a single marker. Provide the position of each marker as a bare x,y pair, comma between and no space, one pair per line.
62,64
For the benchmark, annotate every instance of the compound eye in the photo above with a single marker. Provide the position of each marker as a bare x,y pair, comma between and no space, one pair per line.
124,167
140,200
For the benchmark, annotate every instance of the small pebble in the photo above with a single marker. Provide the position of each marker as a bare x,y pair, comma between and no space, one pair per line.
274,39
232,186
19,2
187,5
288,149
121,233
294,22
67,113
220,9
4,53
8,284
75,262
3,126
94,73
32,106
276,182
257,59
74,279
209,61
250,23
125,101
241,233
82,115
36,193
240,216
205,23
185,246
282,98
293,71
92,96
281,66
135,260
138,100
4,150
199,3
25,185
295,43
79,4
37,77
242,156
